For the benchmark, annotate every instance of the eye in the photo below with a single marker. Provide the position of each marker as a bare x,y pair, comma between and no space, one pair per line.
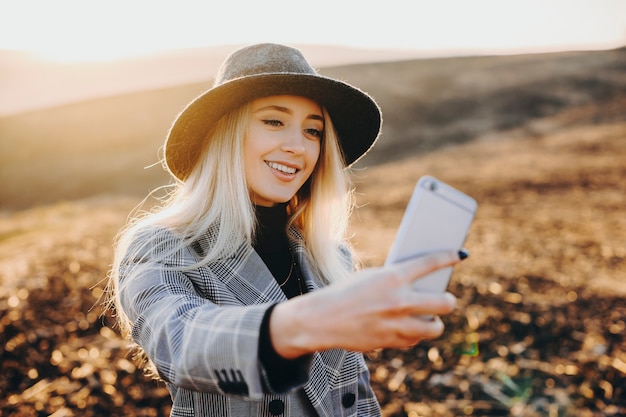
314,132
272,122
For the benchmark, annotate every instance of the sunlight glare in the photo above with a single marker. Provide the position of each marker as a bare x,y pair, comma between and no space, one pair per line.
86,53
70,31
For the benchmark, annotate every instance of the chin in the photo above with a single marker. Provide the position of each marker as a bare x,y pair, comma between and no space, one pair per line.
272,200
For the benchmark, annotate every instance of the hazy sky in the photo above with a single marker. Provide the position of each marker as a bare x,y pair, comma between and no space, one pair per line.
94,30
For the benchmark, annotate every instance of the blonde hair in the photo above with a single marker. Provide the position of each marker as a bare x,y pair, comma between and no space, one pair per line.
215,196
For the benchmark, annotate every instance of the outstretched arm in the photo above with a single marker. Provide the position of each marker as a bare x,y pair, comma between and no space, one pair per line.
376,309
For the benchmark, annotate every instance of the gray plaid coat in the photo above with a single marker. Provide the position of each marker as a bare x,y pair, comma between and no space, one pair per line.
201,330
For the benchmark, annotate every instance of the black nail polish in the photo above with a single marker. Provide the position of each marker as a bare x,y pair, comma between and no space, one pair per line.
463,254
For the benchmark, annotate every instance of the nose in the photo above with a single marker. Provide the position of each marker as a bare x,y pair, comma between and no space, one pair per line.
294,141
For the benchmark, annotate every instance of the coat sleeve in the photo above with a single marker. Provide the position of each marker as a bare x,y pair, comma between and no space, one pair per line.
193,342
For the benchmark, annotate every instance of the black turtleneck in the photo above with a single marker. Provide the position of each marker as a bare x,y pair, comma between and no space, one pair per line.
272,245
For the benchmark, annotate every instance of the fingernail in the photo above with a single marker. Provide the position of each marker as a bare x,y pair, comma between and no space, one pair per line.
463,254
452,299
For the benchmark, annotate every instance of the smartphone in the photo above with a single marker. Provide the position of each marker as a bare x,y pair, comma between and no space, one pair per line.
438,217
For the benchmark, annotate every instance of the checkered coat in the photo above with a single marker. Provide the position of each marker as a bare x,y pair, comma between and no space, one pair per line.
200,328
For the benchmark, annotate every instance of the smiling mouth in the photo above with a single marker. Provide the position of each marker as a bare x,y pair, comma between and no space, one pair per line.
282,168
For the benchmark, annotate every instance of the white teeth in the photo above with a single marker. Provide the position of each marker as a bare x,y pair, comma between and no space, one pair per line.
282,168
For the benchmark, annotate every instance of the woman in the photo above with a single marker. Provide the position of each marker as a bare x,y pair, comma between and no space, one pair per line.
241,289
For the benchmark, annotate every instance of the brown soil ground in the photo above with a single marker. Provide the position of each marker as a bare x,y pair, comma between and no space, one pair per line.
541,320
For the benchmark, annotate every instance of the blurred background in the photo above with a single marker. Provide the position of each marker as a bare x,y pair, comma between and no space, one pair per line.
521,104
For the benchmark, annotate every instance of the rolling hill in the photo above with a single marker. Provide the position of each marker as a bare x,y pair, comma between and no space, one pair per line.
102,146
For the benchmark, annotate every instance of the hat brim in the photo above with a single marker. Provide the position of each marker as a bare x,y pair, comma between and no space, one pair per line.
355,115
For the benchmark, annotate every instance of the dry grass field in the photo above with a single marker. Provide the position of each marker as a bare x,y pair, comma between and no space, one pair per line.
538,140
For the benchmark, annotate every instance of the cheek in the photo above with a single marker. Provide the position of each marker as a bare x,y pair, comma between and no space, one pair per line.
252,151
313,153
250,165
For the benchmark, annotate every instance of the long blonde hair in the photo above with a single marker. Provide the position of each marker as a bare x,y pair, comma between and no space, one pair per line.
216,196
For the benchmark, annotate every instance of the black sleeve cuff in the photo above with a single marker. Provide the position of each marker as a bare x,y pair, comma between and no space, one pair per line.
282,375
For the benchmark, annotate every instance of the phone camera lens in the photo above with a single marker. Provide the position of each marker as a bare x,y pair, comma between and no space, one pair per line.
433,186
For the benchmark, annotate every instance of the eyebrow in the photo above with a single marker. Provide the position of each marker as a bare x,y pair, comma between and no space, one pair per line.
288,111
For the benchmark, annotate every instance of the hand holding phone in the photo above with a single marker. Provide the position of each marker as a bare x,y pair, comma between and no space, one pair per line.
438,217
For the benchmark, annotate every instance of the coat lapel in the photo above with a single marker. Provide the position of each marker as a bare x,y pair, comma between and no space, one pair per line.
242,271
249,279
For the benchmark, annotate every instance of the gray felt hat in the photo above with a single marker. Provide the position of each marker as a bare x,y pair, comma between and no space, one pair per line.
264,70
